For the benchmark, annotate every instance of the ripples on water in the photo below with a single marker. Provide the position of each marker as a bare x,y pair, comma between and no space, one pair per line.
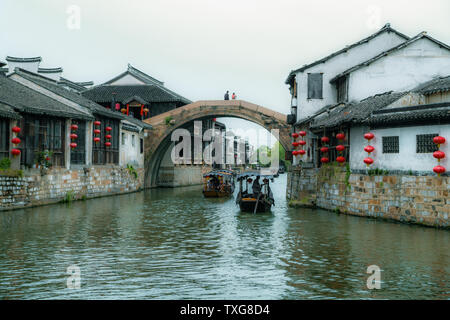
174,244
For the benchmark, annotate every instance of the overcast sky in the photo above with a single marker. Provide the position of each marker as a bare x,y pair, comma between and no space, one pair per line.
201,48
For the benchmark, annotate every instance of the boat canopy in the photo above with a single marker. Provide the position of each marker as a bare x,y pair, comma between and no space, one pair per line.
220,173
249,174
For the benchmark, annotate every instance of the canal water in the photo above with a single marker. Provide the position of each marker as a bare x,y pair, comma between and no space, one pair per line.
174,244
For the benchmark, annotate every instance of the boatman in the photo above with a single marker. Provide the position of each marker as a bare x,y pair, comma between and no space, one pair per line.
256,188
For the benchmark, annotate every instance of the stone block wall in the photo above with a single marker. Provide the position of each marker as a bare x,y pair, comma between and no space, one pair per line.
405,198
36,188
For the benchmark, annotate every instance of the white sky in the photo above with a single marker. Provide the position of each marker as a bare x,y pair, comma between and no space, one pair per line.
201,48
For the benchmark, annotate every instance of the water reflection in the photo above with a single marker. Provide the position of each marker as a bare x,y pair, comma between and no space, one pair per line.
173,244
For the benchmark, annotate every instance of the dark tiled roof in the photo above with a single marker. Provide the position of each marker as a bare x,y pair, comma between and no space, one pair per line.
16,59
24,99
53,86
138,74
74,85
441,84
7,111
85,83
422,113
385,53
135,98
354,112
327,108
150,93
386,28
139,123
2,63
50,70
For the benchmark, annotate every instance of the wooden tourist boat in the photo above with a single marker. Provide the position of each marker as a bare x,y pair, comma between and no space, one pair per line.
260,198
218,184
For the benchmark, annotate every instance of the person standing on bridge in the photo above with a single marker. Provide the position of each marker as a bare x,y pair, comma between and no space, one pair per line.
227,96
233,96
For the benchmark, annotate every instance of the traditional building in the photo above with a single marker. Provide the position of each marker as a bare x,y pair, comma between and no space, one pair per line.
136,94
60,127
382,71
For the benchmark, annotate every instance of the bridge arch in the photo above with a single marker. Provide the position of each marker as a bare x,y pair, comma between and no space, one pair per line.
158,141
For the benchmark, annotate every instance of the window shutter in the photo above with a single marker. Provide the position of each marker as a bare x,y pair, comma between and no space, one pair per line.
315,83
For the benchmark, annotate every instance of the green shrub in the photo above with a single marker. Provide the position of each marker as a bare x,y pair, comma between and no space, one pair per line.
168,119
5,163
132,171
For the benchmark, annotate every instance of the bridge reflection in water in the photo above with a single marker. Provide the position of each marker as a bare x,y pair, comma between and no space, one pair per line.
173,243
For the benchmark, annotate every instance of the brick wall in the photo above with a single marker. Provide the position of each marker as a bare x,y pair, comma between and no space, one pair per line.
55,185
405,198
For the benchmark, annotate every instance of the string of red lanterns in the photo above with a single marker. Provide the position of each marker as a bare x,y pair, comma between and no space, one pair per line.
369,149
97,131
16,140
325,149
439,155
301,143
108,136
73,136
340,148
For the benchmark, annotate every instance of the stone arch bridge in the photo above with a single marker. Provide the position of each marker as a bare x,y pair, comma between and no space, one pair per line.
158,141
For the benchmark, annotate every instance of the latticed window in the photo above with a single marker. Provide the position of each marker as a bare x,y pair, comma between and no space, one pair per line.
78,154
4,138
102,154
425,144
391,144
39,134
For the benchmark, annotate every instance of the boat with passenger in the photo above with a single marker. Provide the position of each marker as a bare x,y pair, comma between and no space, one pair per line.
258,197
218,183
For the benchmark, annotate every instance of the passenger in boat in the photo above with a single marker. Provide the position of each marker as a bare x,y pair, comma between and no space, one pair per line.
256,188
233,96
227,96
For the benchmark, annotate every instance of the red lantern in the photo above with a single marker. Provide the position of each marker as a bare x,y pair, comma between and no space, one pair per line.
73,145
340,159
108,136
301,152
96,139
294,153
369,149
295,144
47,159
15,152
324,149
439,140
15,129
439,169
97,123
97,131
73,136
108,129
117,106
325,139
302,133
15,140
368,161
439,155
302,142
324,160
295,135
123,110
369,136
74,127
340,136
340,147
108,144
